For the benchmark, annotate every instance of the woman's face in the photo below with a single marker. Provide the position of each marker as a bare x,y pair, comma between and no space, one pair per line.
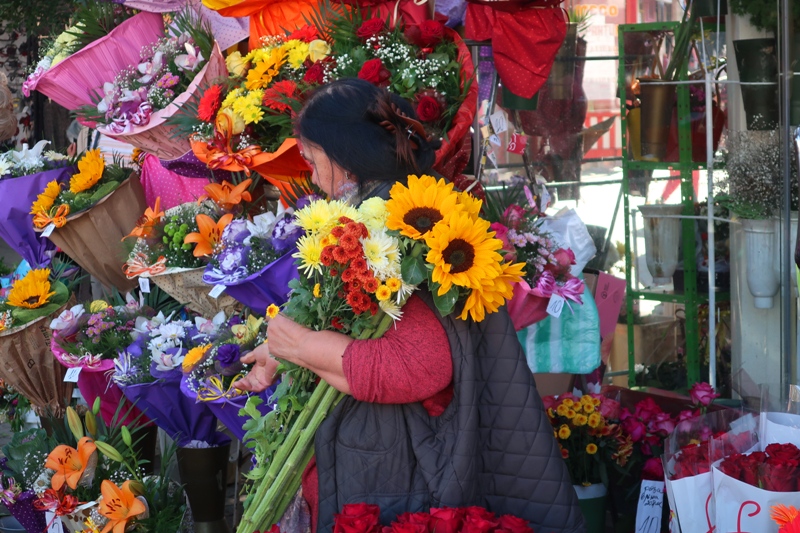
327,175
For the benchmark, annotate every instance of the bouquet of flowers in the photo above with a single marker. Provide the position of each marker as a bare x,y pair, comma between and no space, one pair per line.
359,267
366,518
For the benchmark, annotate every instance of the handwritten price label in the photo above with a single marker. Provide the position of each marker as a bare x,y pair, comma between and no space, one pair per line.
217,291
72,375
651,503
144,284
53,522
556,305
498,120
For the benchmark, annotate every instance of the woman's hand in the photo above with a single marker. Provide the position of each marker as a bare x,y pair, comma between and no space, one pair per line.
286,337
262,375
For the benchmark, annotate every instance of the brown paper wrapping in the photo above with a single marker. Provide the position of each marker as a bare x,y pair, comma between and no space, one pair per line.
187,286
27,365
93,238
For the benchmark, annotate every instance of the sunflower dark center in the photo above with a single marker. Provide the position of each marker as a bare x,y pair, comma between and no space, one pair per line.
32,300
460,255
422,219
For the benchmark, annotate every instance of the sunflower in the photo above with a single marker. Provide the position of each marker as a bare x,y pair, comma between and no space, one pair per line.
493,294
46,200
470,204
90,170
32,291
463,252
194,356
415,210
309,250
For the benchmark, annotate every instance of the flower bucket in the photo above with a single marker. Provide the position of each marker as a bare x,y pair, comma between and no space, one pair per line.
78,79
592,501
757,61
204,472
156,137
186,285
657,103
762,280
270,285
93,238
17,229
526,307
661,238
28,366
32,520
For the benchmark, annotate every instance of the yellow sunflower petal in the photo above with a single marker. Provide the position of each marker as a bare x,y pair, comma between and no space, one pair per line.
90,170
32,291
414,210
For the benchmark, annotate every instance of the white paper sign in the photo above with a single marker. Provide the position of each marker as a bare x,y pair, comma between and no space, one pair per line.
72,375
217,291
556,305
492,157
651,503
144,284
53,522
48,230
495,140
498,120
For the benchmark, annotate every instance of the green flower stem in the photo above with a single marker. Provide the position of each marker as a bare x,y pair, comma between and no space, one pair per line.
291,490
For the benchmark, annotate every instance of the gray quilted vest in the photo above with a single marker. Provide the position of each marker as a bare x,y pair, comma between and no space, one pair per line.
492,447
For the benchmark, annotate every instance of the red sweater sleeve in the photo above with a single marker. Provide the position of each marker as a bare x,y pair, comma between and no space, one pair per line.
410,363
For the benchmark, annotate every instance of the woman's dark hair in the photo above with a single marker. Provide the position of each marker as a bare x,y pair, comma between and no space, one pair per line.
362,129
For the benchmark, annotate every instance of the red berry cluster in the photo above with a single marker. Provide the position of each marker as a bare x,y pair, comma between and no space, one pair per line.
346,259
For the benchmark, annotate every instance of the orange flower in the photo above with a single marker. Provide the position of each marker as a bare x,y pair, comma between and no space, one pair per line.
119,505
786,518
226,195
209,235
148,221
70,464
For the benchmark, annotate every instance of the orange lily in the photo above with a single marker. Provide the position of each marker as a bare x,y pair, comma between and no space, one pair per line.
146,223
71,465
786,518
119,505
226,195
209,235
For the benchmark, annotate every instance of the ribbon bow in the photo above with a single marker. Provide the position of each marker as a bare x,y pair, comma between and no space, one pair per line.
57,216
571,290
214,389
137,266
61,504
243,158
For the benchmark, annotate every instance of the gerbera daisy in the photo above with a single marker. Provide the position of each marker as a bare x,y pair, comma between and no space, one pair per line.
415,210
46,200
309,250
463,252
786,518
276,96
194,356
306,34
210,103
32,291
90,170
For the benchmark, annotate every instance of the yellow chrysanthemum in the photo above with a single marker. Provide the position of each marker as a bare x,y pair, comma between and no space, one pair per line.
98,305
262,74
568,402
580,420
494,293
595,420
32,291
46,200
317,293
463,252
320,216
591,448
470,204
297,52
90,170
564,432
232,97
383,293
309,250
588,408
571,413
373,213
273,310
415,210
394,284
562,410
194,356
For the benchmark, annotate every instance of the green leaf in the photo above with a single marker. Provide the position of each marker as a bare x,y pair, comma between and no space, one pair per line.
413,270
446,302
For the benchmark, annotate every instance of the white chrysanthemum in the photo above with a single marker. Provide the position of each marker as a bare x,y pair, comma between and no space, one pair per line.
391,308
405,291
378,248
373,214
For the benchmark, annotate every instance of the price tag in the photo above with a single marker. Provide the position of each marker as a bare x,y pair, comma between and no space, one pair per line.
217,291
48,230
72,374
517,144
495,140
651,503
498,120
556,305
53,522
144,284
492,157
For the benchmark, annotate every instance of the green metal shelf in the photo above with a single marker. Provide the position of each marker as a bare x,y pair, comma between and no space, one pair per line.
673,297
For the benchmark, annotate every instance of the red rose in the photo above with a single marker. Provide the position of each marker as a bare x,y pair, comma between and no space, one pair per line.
691,461
415,518
408,527
786,452
357,518
306,34
732,465
751,466
374,72
426,35
476,524
653,469
370,28
515,524
315,75
779,475
446,520
479,512
428,109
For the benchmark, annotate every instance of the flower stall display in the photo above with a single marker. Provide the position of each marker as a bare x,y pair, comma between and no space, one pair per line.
209,377
23,175
88,216
358,267
139,98
27,364
103,39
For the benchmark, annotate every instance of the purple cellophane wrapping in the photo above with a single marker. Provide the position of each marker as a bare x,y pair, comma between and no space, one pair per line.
32,520
268,286
189,166
18,195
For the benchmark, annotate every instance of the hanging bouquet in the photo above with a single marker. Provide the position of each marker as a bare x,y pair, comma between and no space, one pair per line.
359,267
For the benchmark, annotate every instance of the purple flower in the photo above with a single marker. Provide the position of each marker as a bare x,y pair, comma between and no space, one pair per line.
228,354
305,200
236,231
285,234
232,259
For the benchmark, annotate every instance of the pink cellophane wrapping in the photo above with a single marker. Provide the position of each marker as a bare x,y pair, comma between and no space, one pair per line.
527,306
96,383
172,188
73,82
156,137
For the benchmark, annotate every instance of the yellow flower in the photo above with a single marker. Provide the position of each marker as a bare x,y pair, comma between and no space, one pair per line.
252,114
317,293
329,240
226,116
383,293
98,305
247,332
46,200
571,413
471,204
318,49
194,356
415,210
309,250
591,448
273,310
463,252
373,213
320,216
564,432
394,284
231,97
562,410
32,291
90,170
297,52
595,420
580,419
260,76
568,402
551,413
236,64
493,294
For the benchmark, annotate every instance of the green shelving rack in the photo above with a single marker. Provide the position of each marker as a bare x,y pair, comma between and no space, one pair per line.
685,166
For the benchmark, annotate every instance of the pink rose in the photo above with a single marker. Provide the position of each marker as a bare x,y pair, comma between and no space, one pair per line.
634,428
646,410
564,258
550,401
501,232
702,394
662,423
608,408
653,469
513,216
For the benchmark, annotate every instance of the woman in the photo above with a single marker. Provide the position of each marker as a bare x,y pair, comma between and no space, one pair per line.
441,412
